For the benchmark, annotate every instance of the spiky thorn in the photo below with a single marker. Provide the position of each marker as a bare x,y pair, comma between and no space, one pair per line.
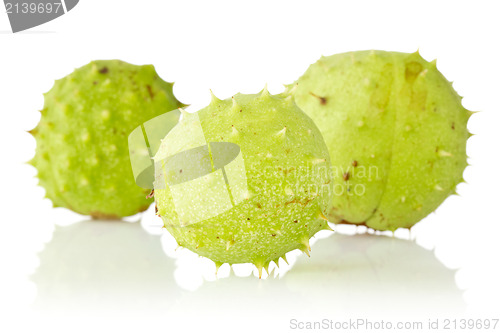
423,73
34,131
434,63
286,92
229,244
265,93
290,89
470,113
217,266
234,131
271,273
235,104
259,266
214,100
444,153
282,133
304,246
284,259
305,242
322,216
316,160
266,267
327,227
305,250
289,100
277,262
235,107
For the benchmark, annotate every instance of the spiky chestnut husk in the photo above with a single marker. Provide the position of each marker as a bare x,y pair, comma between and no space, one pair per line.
287,186
81,154
396,131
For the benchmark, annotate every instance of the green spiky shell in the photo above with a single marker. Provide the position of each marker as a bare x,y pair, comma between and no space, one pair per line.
394,126
81,154
284,154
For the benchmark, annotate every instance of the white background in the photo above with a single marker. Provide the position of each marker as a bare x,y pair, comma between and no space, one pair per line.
61,272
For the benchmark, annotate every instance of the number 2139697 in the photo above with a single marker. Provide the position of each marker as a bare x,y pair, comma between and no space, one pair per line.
26,7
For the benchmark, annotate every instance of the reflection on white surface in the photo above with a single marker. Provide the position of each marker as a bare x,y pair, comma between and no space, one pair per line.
104,266
347,276
375,274
107,267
